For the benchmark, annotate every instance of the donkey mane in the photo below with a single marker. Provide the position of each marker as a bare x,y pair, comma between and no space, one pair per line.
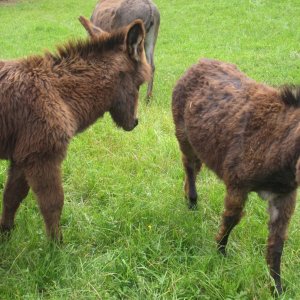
83,48
290,95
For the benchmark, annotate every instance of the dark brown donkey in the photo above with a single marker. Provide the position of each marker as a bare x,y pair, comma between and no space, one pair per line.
112,14
46,100
249,134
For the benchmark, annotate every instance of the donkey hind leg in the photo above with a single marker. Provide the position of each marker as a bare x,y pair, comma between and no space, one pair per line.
281,209
16,190
234,205
149,49
45,181
149,55
192,166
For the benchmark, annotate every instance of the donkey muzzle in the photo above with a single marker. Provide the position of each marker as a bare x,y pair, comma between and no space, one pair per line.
134,124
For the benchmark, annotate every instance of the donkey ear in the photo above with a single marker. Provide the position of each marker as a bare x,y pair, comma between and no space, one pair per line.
135,39
92,30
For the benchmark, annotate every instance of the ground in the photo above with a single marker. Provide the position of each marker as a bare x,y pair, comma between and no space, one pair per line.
127,231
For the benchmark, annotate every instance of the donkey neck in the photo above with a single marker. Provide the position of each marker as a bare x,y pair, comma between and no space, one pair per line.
87,88
85,74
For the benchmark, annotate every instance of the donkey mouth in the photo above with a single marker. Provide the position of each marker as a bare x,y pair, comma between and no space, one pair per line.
129,128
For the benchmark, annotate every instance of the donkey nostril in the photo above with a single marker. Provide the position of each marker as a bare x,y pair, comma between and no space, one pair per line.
136,122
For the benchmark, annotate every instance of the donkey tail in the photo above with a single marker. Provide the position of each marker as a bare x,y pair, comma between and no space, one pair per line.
290,95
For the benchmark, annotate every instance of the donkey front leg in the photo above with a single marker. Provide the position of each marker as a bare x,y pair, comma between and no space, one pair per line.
281,209
16,190
234,205
45,181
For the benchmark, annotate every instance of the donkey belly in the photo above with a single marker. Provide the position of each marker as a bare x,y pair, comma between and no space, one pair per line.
282,181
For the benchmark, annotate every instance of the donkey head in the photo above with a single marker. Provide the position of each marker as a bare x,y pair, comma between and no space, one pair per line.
132,71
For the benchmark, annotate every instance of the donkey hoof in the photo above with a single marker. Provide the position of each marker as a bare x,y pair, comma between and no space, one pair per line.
192,205
5,233
222,250
55,236
4,229
58,239
277,290
148,99
191,202
56,242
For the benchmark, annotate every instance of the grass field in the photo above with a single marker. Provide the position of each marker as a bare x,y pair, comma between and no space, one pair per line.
127,231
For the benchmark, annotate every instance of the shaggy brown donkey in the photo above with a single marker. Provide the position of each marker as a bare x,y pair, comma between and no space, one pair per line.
46,100
246,132
112,14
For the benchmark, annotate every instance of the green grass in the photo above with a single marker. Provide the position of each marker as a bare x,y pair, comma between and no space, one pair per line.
127,231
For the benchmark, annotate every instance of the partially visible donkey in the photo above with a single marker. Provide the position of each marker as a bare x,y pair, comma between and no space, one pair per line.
248,133
46,100
112,14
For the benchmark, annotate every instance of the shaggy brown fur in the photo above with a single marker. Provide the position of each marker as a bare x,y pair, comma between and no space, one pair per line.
248,133
46,100
112,14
